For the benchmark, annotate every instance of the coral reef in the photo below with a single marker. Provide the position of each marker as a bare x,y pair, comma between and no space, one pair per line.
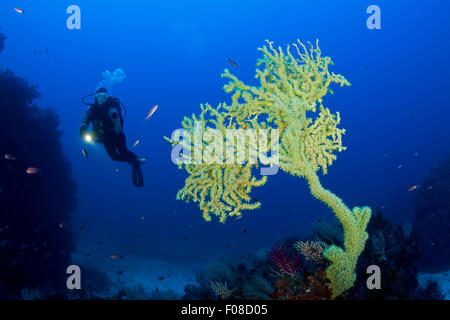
280,273
35,243
246,278
311,287
287,273
432,219
289,98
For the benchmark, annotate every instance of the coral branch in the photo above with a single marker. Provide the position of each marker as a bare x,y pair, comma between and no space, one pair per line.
311,250
286,265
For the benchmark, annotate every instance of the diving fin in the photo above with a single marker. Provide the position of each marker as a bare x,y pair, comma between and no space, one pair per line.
138,179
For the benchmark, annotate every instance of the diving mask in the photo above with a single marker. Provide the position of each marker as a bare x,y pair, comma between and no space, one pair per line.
101,97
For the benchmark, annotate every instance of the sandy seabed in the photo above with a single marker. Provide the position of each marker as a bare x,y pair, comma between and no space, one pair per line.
132,272
442,278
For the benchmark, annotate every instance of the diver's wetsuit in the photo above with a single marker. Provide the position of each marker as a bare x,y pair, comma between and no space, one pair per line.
107,122
116,147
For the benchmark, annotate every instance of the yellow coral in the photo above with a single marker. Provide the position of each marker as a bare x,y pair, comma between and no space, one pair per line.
289,98
341,272
219,189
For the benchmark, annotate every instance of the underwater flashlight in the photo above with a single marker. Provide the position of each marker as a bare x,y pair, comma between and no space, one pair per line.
88,138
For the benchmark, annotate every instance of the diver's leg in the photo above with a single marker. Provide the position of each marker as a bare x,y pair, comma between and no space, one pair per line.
125,154
111,150
136,174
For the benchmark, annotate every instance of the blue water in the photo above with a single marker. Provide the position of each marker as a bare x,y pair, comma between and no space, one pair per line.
173,53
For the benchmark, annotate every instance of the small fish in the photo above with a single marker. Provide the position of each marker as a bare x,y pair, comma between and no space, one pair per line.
399,166
234,64
142,218
85,154
33,170
244,231
383,207
412,188
117,170
119,272
430,187
239,217
151,112
160,278
416,154
61,225
135,144
116,256
21,11
10,157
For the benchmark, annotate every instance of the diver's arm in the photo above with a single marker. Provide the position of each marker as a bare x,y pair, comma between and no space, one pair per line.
85,123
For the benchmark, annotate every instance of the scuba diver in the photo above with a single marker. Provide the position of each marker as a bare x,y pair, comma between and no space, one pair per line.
107,128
